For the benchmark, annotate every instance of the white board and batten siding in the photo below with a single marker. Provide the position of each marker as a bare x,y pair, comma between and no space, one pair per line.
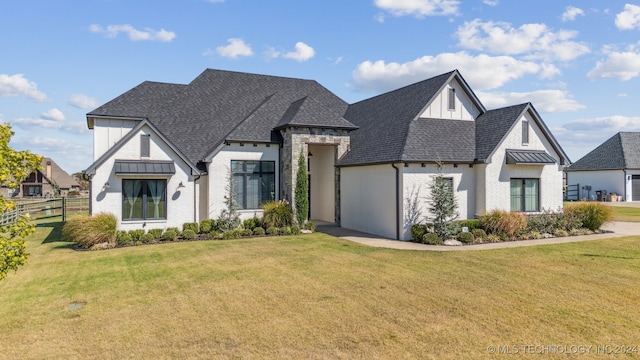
107,132
464,108
180,201
219,171
496,188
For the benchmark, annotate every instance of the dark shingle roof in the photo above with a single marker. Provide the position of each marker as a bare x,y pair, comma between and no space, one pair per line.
621,151
223,105
492,126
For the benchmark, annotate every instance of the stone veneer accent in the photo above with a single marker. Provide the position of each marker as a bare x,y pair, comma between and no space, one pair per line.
296,139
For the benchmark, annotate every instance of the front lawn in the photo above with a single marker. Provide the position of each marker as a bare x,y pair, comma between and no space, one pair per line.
315,296
624,213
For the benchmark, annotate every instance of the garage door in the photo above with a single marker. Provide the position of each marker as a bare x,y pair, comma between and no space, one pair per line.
635,187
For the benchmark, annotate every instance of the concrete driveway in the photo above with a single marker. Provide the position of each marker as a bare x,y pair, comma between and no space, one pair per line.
618,228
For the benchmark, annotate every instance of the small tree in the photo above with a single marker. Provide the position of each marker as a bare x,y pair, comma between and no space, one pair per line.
442,204
302,191
15,166
229,218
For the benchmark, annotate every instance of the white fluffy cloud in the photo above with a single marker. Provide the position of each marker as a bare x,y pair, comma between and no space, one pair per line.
532,41
82,101
236,48
53,114
621,65
419,8
545,101
491,2
303,52
629,18
571,13
18,85
147,34
481,71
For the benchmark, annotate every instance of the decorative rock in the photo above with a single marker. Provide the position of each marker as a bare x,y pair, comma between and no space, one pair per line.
452,242
305,231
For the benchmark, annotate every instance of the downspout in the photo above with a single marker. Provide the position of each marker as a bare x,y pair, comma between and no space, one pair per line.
625,185
397,200
196,194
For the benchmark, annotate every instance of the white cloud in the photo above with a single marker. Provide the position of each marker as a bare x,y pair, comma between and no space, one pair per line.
419,8
18,85
629,18
545,101
82,101
491,2
302,53
532,41
482,71
621,65
111,31
379,18
237,47
53,114
571,13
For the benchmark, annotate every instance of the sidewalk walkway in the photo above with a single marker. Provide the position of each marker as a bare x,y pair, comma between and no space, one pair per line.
619,229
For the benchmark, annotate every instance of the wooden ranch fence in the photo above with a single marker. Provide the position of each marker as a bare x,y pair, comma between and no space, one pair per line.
45,208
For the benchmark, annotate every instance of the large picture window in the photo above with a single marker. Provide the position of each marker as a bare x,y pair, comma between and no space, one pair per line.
525,195
254,182
144,199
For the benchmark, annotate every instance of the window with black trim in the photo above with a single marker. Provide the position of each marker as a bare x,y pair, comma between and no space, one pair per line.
254,182
452,99
525,132
525,195
144,199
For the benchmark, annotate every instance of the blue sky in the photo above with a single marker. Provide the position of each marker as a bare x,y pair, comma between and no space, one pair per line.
578,62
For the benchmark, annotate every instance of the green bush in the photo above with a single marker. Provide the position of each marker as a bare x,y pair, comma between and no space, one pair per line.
87,231
194,226
432,239
471,224
214,234
285,230
507,224
136,234
207,225
272,230
232,234
309,225
466,237
251,223
561,233
146,238
295,230
247,232
479,233
173,229
123,238
156,233
418,231
258,231
189,234
277,214
548,222
170,235
591,214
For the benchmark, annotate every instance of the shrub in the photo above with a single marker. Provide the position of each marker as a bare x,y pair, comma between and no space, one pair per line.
285,230
136,234
549,221
471,224
87,231
247,232
232,234
493,238
169,235
146,238
508,224
561,233
214,234
479,233
173,229
194,226
272,230
123,238
295,230
207,225
189,234
251,223
418,231
277,213
466,237
258,231
591,214
432,239
156,233
309,225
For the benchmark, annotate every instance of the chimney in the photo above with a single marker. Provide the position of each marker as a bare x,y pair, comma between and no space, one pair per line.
49,170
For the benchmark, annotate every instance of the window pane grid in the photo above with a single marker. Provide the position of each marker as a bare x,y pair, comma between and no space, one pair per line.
144,199
525,195
253,182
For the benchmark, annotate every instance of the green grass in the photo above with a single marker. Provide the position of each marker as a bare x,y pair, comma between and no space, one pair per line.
315,296
623,213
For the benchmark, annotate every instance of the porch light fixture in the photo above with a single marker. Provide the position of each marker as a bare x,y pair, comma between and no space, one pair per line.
310,154
105,186
181,185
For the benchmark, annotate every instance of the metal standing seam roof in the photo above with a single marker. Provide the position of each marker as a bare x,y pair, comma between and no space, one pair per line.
529,157
134,167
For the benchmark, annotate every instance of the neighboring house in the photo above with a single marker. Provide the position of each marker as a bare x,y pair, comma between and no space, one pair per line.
612,167
49,181
165,154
